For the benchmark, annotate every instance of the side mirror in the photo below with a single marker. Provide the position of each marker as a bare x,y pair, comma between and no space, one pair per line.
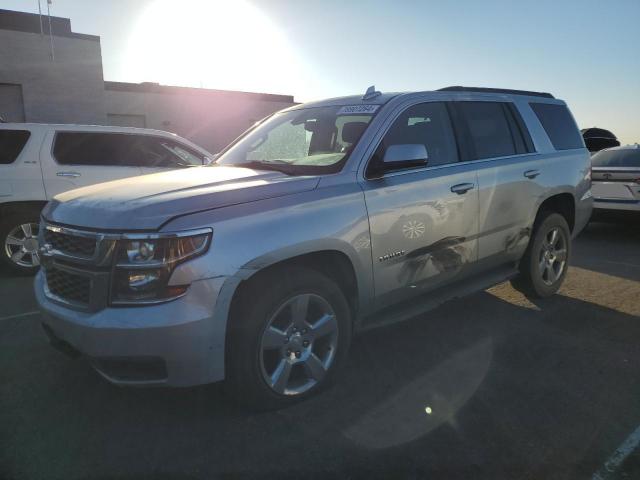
405,155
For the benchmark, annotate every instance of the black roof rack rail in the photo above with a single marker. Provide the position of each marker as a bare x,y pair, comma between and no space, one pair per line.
495,90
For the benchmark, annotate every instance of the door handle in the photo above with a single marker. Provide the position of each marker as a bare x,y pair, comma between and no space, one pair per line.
462,188
68,174
532,173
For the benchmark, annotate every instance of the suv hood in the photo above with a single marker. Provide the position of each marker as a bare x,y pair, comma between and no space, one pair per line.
149,201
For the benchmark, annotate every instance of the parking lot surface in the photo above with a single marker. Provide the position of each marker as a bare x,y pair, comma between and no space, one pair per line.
490,386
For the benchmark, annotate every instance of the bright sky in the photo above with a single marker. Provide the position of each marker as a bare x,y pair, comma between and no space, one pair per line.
585,52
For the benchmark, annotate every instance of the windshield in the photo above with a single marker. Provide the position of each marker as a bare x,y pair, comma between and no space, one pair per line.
313,140
617,158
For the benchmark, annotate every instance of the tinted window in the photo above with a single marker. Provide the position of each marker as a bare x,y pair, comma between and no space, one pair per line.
617,158
519,131
161,152
559,125
89,148
427,124
121,149
489,128
11,144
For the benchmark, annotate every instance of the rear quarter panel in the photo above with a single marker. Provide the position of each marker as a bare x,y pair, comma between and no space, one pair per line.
21,180
563,171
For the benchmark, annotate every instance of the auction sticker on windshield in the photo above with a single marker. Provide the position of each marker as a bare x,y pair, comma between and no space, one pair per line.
357,109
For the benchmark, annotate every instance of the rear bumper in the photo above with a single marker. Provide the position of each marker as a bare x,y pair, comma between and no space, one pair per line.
615,204
180,343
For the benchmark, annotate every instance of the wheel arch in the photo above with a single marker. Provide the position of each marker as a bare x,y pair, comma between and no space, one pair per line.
335,263
563,203
9,208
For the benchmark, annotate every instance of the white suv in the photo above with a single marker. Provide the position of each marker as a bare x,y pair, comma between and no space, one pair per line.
39,161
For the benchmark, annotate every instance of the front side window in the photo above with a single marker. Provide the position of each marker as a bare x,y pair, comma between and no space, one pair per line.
617,158
161,152
559,125
426,124
308,141
11,144
490,131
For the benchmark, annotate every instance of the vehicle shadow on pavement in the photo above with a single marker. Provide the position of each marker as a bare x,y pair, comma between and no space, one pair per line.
621,258
478,388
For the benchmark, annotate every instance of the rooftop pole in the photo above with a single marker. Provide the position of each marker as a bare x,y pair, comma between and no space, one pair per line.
53,57
40,17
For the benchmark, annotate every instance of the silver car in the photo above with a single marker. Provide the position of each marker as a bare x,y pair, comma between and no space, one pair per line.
323,220
616,179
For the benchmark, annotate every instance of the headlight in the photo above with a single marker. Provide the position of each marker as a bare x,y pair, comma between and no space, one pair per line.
144,265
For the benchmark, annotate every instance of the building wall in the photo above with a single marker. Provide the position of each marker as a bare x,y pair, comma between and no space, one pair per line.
71,88
210,118
67,90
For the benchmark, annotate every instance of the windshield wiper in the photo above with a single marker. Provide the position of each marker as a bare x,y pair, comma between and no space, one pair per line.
278,166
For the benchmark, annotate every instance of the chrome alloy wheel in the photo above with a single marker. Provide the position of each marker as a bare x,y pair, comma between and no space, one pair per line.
298,345
21,245
552,257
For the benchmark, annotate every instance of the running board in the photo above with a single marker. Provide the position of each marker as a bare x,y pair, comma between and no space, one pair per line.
421,304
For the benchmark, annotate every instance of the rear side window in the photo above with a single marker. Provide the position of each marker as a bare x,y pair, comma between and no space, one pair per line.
90,148
559,125
492,130
122,149
617,158
11,144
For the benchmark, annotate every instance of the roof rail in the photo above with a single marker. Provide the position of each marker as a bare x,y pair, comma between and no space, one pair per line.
495,90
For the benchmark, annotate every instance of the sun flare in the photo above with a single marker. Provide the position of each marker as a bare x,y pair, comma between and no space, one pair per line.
210,43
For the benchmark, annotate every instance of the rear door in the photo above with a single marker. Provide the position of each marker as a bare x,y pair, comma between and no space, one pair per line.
72,159
499,145
423,221
616,178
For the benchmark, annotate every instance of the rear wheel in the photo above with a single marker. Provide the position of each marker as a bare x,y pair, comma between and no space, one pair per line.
19,237
545,263
288,340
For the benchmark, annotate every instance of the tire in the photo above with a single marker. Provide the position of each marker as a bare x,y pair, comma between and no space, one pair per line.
266,342
544,264
11,234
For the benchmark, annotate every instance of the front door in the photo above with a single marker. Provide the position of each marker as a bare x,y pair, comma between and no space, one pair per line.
423,221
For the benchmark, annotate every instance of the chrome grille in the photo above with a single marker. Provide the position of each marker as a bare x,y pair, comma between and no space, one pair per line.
68,286
76,265
70,244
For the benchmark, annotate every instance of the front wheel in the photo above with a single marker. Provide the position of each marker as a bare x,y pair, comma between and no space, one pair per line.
545,263
288,339
19,237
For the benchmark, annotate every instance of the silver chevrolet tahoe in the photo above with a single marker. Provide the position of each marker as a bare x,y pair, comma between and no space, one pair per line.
324,219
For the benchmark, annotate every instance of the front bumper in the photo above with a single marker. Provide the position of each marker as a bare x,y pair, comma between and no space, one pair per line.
179,343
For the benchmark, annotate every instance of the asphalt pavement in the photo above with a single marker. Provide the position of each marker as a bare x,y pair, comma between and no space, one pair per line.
491,386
